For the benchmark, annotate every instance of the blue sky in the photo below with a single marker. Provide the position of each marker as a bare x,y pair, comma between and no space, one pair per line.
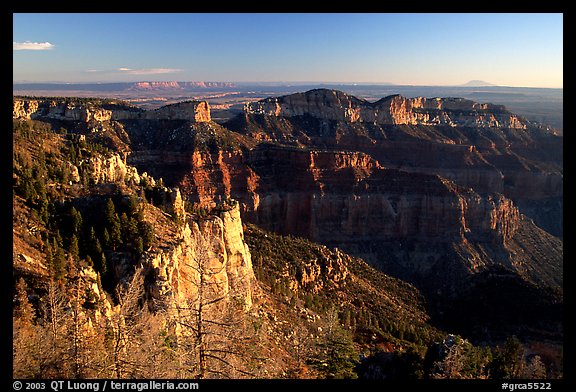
417,49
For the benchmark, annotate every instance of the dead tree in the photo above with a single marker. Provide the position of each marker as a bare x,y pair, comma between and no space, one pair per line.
210,321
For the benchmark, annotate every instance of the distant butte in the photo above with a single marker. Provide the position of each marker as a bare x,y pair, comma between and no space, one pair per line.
163,86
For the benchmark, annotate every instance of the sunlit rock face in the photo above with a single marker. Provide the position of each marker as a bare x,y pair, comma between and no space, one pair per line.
336,105
195,111
227,263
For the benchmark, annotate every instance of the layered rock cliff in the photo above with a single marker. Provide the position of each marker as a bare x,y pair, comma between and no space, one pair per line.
300,191
58,109
197,111
395,109
339,197
482,146
348,200
87,111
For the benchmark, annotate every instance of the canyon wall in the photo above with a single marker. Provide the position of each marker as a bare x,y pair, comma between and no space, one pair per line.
375,188
332,196
62,109
348,200
481,146
397,110
58,109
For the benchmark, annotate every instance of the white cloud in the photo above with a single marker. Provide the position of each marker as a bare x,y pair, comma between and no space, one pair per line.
130,71
28,45
149,71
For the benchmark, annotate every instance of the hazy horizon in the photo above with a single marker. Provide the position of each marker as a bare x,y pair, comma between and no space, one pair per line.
276,83
516,50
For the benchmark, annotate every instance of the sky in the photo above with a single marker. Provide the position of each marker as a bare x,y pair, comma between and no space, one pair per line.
520,50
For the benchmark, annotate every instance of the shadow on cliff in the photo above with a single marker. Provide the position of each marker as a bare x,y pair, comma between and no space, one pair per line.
497,303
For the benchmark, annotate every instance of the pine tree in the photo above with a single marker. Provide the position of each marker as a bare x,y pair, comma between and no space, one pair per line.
40,189
44,214
58,238
77,221
535,369
131,229
124,227
110,212
94,243
106,238
104,264
138,246
84,177
73,250
49,256
24,311
147,233
508,361
115,232
59,260
337,353
133,205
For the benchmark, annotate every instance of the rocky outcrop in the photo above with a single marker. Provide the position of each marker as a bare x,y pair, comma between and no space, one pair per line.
61,110
197,111
74,172
492,216
24,108
112,169
215,246
204,177
338,106
71,110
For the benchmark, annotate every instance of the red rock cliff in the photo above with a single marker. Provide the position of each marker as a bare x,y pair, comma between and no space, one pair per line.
334,196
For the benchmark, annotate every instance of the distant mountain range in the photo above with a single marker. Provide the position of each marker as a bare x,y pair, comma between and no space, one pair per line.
124,86
179,85
191,85
477,83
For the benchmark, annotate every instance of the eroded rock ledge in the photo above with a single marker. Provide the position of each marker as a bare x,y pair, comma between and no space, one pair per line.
72,110
395,109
